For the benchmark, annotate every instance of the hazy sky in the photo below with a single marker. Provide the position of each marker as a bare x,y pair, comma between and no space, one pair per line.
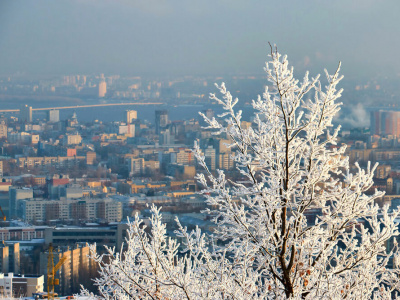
197,36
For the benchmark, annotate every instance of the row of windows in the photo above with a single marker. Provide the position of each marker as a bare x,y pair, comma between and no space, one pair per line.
83,233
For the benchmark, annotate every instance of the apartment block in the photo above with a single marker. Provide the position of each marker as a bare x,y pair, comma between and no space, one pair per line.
385,123
22,233
72,139
184,157
3,130
79,210
47,161
135,165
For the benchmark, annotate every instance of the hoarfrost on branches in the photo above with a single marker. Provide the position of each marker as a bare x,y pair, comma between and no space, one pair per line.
263,247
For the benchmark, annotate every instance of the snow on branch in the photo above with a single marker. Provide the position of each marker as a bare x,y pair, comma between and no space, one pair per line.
264,246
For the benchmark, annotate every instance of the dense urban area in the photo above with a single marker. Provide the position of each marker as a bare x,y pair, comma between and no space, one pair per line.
69,180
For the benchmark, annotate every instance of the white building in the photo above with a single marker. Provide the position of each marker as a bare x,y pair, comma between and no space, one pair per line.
20,286
136,165
53,115
102,89
72,139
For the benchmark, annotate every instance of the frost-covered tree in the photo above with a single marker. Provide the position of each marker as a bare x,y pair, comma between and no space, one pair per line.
263,246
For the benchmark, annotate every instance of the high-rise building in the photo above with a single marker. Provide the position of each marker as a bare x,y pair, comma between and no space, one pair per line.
90,157
9,257
131,115
225,161
25,114
161,120
209,113
15,196
3,130
53,115
102,89
135,165
165,137
13,257
4,259
75,270
184,157
385,123
210,157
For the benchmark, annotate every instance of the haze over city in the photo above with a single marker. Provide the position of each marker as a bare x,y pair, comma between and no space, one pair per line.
176,37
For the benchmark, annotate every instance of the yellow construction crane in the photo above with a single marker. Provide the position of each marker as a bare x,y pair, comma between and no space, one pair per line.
4,216
51,272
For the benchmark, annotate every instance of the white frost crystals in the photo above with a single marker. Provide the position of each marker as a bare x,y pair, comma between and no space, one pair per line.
263,247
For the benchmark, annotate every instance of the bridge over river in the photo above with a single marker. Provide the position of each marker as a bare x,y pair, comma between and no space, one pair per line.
84,106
